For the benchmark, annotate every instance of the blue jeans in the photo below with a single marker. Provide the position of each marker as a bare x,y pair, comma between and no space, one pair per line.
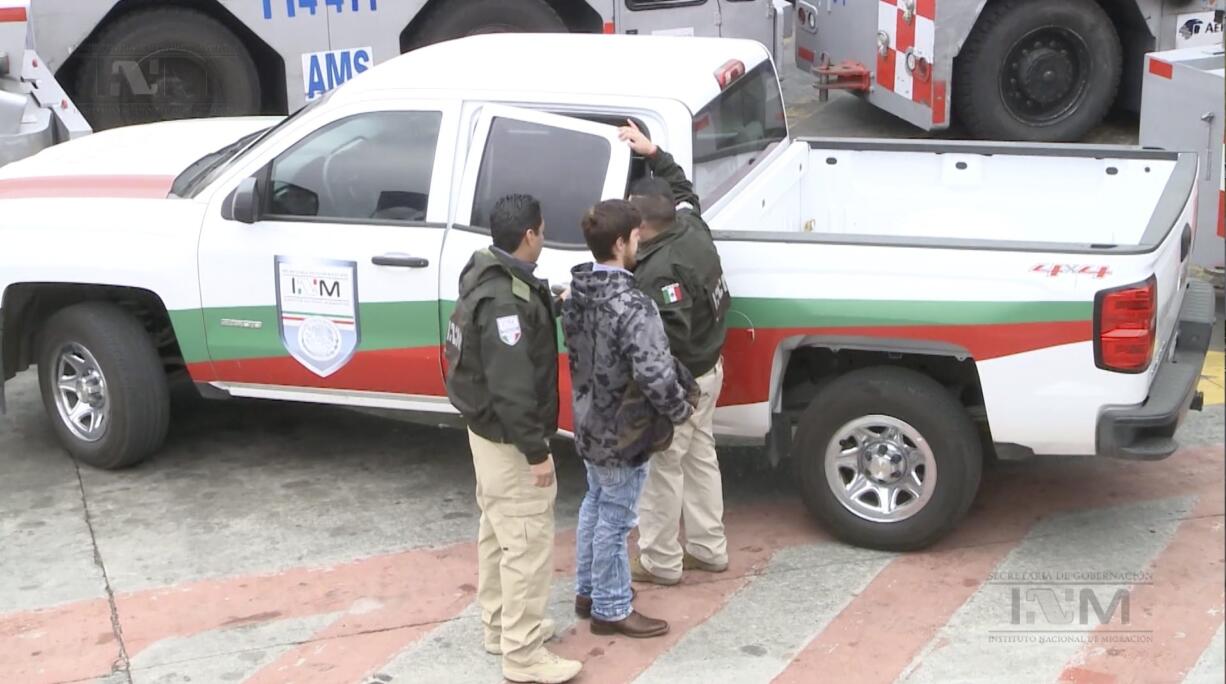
608,513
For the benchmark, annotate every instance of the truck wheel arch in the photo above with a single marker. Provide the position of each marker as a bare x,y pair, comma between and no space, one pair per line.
802,365
26,308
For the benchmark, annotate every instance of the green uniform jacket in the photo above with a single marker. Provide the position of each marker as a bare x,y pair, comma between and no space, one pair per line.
680,269
502,355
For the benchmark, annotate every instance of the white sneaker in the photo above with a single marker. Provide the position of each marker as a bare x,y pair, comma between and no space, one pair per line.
546,668
493,642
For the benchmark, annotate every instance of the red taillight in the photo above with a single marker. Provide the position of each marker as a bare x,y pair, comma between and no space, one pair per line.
729,72
1125,326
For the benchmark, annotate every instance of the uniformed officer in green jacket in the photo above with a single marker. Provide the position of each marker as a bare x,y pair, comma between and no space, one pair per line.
502,360
680,269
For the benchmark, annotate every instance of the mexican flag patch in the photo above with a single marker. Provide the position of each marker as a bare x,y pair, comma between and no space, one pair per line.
672,293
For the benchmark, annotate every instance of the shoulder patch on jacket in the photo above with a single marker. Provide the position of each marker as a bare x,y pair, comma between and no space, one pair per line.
521,289
508,329
673,293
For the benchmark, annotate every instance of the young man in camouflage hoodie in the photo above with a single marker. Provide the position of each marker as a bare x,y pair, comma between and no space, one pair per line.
629,392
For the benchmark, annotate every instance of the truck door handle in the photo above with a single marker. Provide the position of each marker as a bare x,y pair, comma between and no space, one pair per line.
400,261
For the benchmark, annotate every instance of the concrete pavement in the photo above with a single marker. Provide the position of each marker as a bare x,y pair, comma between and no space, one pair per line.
277,543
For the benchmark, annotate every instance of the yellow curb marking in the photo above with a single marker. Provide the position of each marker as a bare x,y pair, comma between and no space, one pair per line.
1213,379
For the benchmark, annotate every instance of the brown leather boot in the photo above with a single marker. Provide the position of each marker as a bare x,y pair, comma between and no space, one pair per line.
583,604
635,626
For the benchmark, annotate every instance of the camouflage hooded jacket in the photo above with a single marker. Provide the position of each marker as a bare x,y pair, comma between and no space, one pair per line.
628,390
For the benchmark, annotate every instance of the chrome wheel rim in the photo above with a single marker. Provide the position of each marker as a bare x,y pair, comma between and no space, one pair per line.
881,468
81,393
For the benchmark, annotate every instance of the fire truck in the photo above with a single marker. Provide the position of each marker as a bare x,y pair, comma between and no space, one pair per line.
1028,70
125,62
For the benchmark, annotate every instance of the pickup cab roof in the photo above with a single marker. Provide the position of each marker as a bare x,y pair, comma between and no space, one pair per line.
679,68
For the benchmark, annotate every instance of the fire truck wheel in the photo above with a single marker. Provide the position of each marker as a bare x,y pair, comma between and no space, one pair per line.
888,459
103,385
1037,70
457,18
166,63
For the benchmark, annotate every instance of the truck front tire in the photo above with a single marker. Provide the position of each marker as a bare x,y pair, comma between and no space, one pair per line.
163,64
457,18
888,459
103,385
1037,70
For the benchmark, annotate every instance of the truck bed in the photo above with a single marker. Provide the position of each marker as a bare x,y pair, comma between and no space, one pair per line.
1066,198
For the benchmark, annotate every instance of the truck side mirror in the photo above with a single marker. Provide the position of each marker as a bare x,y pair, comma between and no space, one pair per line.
243,204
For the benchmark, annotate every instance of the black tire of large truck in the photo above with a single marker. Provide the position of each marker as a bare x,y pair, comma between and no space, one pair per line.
918,401
210,74
457,18
135,393
1074,40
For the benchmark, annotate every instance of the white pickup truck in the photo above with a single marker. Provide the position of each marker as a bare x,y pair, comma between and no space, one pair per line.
901,310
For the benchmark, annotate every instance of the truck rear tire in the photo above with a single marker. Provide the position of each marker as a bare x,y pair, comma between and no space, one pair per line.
457,18
888,459
162,64
1037,70
103,385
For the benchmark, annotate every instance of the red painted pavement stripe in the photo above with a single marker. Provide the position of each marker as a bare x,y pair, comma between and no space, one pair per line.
922,591
12,14
746,351
919,593
1158,67
1183,606
86,186
753,537
60,644
407,588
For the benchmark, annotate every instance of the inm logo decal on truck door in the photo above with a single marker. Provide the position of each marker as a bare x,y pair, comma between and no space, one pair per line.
317,312
323,71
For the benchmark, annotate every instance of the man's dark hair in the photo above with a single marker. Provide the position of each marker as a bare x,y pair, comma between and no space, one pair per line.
654,199
511,217
605,223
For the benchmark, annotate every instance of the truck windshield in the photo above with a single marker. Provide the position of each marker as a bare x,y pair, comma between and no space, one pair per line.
735,130
187,182
206,169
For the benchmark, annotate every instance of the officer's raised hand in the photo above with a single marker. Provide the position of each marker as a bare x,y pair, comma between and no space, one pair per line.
638,142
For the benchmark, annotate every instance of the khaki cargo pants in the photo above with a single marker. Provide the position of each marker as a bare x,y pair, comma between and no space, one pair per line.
514,548
684,481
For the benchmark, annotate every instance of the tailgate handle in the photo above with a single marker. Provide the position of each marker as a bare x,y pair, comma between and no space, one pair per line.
1185,243
400,261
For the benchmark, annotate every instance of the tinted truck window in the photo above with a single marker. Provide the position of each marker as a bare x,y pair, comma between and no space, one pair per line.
564,169
735,130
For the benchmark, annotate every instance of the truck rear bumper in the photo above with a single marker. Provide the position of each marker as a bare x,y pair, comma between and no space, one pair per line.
1147,431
